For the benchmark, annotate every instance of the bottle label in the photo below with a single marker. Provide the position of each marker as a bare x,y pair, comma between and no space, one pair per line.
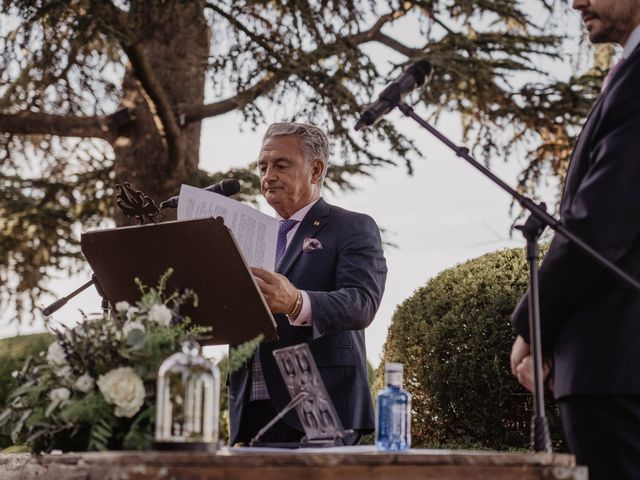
398,418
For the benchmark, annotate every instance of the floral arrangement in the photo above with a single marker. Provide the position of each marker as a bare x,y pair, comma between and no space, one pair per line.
94,388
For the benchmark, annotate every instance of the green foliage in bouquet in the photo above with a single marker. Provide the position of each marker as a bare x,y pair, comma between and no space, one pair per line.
238,356
14,352
94,387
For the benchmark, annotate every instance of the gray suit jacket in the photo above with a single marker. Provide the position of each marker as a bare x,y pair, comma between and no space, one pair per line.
345,282
590,320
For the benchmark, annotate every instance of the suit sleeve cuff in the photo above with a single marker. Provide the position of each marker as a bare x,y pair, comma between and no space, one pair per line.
304,318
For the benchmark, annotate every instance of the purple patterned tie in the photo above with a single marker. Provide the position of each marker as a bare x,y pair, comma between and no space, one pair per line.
283,229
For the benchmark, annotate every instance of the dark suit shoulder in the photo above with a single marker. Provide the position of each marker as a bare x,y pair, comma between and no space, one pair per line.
357,219
622,93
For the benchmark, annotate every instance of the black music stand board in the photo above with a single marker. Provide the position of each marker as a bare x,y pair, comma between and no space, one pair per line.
204,257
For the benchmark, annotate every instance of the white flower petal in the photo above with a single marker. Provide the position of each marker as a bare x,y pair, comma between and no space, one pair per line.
55,355
161,314
84,383
59,395
131,313
123,388
122,306
63,371
131,325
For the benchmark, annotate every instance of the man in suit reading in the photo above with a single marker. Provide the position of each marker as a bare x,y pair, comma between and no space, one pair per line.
590,320
329,279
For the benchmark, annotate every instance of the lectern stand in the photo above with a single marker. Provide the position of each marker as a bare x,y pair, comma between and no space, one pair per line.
204,257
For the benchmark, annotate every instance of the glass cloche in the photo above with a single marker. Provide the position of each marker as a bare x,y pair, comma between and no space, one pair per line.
188,401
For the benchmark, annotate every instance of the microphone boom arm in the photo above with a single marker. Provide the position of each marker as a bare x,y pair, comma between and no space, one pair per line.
61,302
536,210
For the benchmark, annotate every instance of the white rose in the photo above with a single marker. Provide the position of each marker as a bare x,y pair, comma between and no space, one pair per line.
129,326
122,307
161,314
55,355
59,395
84,383
123,388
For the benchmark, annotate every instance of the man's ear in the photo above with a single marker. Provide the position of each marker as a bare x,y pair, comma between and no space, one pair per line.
317,167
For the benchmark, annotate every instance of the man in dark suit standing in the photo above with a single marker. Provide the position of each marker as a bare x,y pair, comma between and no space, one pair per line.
590,319
329,279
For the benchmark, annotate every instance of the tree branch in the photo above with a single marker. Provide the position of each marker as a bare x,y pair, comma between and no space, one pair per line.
397,46
368,35
26,123
161,106
195,113
154,92
235,22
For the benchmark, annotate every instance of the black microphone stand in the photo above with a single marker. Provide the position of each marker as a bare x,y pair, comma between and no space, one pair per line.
538,220
58,304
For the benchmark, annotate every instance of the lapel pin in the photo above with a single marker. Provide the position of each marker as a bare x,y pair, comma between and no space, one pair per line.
316,223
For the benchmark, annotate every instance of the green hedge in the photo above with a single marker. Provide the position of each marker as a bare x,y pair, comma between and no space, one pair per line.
454,338
13,353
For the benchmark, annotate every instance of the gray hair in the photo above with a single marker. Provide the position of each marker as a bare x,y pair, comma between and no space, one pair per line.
314,142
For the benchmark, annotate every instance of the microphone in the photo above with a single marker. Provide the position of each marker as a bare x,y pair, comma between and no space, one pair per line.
411,78
226,187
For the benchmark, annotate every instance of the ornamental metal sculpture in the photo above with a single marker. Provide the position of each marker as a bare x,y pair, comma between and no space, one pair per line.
137,204
309,397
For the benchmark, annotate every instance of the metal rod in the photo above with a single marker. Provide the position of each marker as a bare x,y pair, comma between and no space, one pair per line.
55,306
526,202
292,404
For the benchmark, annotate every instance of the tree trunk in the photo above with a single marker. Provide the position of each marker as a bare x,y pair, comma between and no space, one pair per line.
176,46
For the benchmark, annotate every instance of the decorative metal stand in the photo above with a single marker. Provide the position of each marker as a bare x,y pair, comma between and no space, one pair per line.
137,204
315,410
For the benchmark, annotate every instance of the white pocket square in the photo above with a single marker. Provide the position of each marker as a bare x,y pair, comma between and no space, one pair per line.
311,244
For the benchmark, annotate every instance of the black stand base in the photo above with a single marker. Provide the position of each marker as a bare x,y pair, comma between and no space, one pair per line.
540,437
186,446
301,444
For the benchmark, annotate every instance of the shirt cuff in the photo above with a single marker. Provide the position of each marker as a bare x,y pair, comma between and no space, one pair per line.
304,318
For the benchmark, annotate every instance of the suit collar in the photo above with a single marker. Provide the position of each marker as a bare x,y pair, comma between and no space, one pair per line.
632,43
578,155
300,214
592,122
312,223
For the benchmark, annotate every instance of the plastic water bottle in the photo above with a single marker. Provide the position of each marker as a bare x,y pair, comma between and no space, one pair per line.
393,415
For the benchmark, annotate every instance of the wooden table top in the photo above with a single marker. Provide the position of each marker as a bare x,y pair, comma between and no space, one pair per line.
350,463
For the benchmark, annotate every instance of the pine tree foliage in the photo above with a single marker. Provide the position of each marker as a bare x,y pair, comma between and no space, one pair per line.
94,93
